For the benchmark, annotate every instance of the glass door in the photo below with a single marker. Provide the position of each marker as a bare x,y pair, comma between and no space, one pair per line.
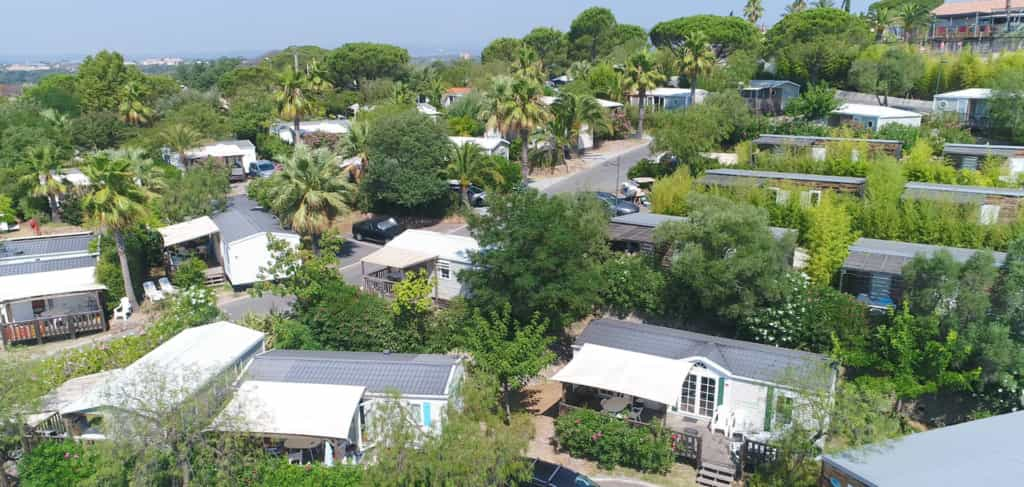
699,395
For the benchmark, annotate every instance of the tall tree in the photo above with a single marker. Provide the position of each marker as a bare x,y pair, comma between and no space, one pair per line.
641,76
99,81
468,163
510,351
796,7
697,57
46,167
310,192
591,31
296,96
574,111
514,105
133,107
753,11
824,4
552,45
881,19
180,138
114,204
356,144
911,16
145,172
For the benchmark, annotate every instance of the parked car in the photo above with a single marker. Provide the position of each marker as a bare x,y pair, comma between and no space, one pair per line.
617,206
546,474
237,173
379,229
477,195
262,169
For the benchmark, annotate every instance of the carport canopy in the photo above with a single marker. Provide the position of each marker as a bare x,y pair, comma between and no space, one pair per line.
397,258
286,409
193,229
635,374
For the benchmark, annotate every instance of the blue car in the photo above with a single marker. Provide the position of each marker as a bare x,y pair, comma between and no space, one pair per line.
262,169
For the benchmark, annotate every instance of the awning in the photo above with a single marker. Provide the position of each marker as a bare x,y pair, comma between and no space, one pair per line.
291,409
397,258
635,374
54,283
193,229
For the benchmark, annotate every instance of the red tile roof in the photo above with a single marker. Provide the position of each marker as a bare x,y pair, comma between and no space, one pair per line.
979,6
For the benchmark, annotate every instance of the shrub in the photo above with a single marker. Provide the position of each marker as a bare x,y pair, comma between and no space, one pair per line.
275,471
56,463
190,273
613,442
649,169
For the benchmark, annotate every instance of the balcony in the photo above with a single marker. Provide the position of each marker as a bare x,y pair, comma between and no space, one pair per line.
42,329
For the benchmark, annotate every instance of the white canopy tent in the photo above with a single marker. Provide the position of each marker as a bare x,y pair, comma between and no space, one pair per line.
193,229
635,374
51,284
286,409
397,258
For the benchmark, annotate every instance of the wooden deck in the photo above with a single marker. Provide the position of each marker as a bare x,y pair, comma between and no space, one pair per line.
43,329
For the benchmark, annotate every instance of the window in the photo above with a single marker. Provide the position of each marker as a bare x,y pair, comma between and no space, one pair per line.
444,270
38,306
810,198
989,214
781,195
707,396
416,412
689,394
699,394
783,411
818,153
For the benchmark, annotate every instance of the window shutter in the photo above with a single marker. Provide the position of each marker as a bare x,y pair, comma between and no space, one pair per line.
426,414
768,408
721,391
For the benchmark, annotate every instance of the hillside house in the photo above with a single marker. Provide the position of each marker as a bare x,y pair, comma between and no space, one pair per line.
983,25
997,205
809,186
48,289
873,269
872,117
769,96
440,255
970,106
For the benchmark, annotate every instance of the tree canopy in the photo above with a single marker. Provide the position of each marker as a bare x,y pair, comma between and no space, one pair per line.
351,63
817,44
726,34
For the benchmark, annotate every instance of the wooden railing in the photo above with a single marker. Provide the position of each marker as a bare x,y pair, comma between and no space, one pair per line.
754,454
684,445
39,329
379,286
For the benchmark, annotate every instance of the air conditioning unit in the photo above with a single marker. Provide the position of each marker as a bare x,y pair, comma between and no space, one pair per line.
943,104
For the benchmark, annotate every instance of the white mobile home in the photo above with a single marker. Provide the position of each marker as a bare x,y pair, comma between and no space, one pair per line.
440,255
873,117
970,105
326,126
492,146
244,243
227,151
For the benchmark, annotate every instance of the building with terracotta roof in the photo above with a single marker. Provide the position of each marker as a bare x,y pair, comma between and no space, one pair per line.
984,25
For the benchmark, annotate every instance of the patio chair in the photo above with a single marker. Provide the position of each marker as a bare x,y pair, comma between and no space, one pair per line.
635,412
123,310
166,286
152,293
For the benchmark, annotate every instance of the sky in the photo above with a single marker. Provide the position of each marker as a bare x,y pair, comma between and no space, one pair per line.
47,30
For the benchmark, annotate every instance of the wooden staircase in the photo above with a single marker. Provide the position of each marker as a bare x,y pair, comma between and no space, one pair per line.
214,276
714,475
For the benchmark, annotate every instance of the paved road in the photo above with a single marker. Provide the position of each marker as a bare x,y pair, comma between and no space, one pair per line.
603,176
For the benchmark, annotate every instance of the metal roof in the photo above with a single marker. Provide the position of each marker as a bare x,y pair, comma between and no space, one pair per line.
969,94
639,227
983,150
770,83
244,217
860,110
47,265
18,248
727,176
806,140
649,220
956,192
889,256
409,374
982,452
745,359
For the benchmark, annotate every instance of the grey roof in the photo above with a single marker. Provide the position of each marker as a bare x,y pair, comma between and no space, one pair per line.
48,265
652,220
806,140
410,374
47,245
982,452
244,217
746,359
729,176
982,150
770,83
889,256
957,193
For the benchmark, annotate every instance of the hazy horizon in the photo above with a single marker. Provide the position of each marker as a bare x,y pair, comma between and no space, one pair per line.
203,29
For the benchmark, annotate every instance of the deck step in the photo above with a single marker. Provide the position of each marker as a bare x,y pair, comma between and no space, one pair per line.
712,475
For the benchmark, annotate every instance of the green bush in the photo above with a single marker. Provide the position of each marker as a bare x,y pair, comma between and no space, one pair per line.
190,273
613,442
275,472
647,168
56,463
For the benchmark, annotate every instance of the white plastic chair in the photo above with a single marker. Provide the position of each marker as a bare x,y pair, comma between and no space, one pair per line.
123,310
166,286
152,293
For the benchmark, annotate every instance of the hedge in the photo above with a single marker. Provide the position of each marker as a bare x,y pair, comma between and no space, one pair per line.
610,441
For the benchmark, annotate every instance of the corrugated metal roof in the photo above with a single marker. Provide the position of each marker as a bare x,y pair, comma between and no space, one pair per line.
940,191
728,175
639,227
244,217
48,265
967,94
889,256
409,374
649,220
806,140
18,248
862,110
746,359
983,150
982,452
770,83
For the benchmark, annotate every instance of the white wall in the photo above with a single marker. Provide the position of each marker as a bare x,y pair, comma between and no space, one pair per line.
450,288
908,121
245,257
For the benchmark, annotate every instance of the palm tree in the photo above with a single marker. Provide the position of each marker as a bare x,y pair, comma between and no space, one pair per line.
579,70
355,144
641,75
113,204
845,6
796,7
400,94
45,168
468,163
145,172
133,110
310,192
696,56
528,65
881,19
574,111
824,4
911,16
514,105
753,11
294,95
180,138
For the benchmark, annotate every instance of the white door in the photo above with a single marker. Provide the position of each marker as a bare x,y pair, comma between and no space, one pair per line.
700,393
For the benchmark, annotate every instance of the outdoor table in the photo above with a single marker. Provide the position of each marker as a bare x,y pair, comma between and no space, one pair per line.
615,404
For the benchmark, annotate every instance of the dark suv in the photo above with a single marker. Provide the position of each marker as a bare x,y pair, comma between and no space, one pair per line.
380,229
547,474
